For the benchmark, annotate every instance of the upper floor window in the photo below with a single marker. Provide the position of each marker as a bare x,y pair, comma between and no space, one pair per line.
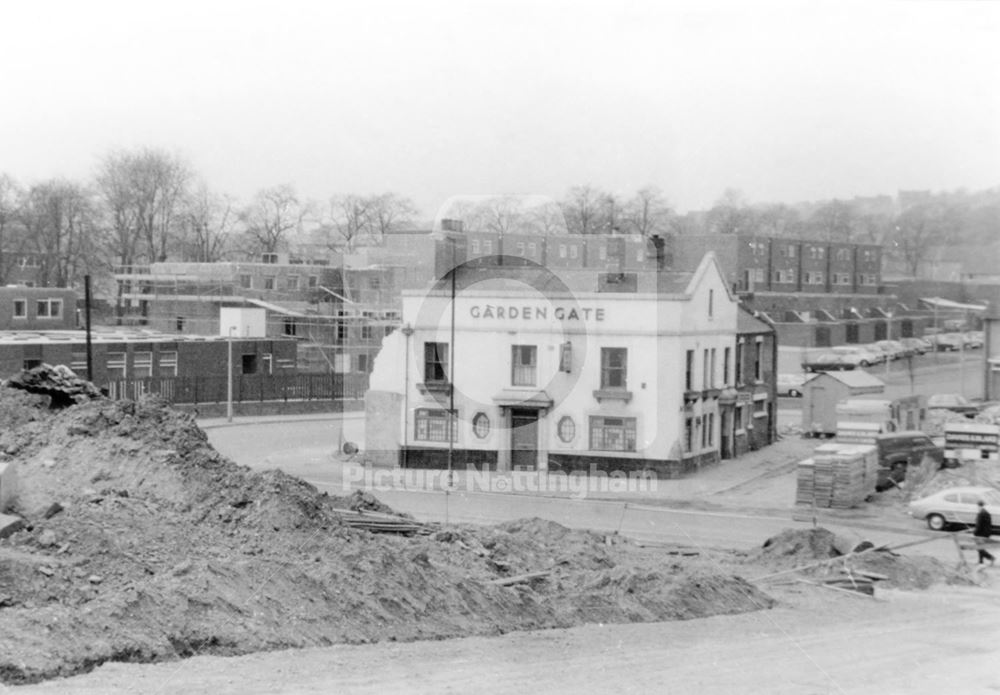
613,365
843,254
758,360
689,370
711,303
435,361
524,363
738,363
49,308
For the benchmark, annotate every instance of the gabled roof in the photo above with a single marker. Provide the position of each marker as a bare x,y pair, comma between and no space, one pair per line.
748,323
949,304
856,379
709,261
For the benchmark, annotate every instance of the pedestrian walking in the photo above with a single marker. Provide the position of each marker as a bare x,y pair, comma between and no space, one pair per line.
981,533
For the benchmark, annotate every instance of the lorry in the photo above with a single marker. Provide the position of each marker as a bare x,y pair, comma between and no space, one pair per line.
971,441
891,415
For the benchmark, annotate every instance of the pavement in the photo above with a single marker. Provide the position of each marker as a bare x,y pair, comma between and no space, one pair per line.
243,421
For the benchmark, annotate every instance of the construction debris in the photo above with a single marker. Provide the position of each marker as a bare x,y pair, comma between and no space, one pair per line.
59,383
164,549
375,522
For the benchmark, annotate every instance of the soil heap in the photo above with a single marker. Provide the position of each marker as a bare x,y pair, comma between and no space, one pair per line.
142,543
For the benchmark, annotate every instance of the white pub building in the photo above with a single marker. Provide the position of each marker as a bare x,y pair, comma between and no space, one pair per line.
562,374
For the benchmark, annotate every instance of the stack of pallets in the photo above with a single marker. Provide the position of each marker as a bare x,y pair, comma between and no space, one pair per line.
837,476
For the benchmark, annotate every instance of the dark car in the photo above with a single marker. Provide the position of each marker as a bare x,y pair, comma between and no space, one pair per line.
830,362
898,451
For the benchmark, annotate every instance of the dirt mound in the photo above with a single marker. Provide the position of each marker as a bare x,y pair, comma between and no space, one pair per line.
59,383
798,546
161,548
907,572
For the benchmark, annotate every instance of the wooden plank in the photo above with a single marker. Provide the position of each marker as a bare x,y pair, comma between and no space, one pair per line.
521,578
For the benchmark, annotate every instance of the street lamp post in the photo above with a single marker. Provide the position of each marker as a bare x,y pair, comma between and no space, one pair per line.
229,372
888,336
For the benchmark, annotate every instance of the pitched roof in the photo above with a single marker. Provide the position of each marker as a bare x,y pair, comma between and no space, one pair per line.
856,379
748,323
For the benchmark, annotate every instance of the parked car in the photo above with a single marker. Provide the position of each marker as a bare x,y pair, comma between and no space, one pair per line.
955,402
919,346
791,384
956,505
945,342
831,362
973,339
883,353
898,451
893,349
860,355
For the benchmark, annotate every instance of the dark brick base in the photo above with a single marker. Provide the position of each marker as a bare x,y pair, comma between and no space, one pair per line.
428,458
664,469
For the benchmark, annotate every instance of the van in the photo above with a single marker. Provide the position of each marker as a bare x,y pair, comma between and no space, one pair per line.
898,451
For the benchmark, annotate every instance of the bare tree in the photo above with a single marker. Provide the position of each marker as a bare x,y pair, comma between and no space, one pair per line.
778,220
503,215
834,221
143,191
390,212
59,217
207,225
917,232
10,202
350,220
647,213
271,218
548,219
585,210
731,214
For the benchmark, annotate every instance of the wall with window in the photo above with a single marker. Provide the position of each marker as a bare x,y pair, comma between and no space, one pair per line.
37,308
151,358
600,370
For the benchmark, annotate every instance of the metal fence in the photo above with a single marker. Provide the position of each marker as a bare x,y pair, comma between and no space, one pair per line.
246,388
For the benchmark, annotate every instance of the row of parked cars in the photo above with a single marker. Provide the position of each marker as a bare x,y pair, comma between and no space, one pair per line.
846,357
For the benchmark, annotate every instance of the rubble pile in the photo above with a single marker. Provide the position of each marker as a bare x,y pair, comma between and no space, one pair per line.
141,543
59,383
823,556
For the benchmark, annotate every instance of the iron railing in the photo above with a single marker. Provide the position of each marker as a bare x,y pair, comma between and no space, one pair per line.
246,388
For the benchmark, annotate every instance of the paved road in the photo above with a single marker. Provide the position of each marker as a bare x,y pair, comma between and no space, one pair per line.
304,449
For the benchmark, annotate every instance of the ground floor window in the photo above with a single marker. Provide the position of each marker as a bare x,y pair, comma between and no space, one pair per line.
115,365
142,365
168,363
688,435
431,425
612,433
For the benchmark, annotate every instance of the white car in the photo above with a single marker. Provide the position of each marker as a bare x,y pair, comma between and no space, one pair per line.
857,355
956,505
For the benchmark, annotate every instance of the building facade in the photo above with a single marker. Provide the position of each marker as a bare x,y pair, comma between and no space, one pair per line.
545,376
37,308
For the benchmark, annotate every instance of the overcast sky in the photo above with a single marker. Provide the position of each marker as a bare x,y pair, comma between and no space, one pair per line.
789,102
